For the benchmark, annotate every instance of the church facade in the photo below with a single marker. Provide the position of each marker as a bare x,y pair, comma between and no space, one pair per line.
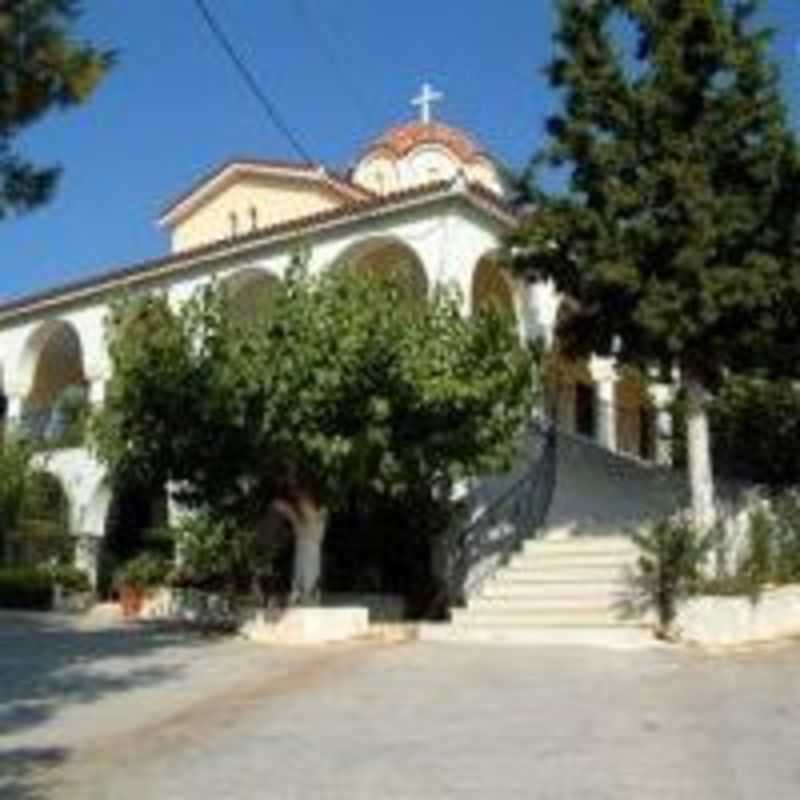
424,200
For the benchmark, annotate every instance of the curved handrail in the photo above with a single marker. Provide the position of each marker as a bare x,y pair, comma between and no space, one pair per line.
499,531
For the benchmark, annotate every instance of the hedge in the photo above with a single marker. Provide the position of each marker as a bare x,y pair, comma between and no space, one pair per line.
26,588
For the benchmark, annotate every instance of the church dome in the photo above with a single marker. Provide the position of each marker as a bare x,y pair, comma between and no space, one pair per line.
417,153
422,152
402,139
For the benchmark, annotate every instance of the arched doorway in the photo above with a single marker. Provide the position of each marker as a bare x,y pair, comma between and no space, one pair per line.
635,416
136,520
492,289
389,258
569,388
570,394
52,371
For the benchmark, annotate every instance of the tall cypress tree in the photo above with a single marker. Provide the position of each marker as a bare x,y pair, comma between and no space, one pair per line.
42,67
678,237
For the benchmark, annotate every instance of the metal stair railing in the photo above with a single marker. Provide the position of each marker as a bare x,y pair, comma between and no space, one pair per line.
476,551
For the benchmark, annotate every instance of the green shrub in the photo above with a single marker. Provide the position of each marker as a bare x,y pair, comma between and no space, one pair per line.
219,555
15,473
71,579
787,535
145,571
27,588
670,566
771,555
755,431
757,566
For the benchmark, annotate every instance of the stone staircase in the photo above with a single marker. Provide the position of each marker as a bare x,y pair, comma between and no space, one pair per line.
555,591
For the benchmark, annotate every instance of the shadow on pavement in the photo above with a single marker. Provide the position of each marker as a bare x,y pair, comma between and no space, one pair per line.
49,663
24,772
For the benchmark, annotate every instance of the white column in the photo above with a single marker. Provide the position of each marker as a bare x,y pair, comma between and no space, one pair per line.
604,375
662,396
541,312
14,411
97,392
176,514
87,556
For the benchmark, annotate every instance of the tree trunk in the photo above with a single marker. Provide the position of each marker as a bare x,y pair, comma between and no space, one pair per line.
698,448
308,521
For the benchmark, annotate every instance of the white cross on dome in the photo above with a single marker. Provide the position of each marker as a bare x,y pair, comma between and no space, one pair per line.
425,101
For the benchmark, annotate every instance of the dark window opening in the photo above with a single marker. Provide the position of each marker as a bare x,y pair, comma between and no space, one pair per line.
585,423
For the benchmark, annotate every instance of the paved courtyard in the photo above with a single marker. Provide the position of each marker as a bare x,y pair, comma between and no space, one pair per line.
119,713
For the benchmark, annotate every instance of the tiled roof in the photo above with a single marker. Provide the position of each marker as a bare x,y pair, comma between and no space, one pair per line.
351,211
333,180
402,139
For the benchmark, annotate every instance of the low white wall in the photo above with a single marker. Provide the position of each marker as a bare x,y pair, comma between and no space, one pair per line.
381,607
305,625
191,605
737,620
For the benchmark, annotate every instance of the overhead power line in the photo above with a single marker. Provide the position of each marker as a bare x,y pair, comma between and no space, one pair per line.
266,104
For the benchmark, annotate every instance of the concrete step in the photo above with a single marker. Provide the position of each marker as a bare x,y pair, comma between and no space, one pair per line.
603,573
582,546
543,616
535,603
564,591
551,587
524,562
593,636
566,559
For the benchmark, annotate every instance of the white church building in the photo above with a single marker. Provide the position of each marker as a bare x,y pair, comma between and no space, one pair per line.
423,198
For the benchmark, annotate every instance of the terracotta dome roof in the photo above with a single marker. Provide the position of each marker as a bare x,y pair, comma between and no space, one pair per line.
404,138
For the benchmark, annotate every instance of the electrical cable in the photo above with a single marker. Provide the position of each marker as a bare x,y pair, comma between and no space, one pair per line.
268,106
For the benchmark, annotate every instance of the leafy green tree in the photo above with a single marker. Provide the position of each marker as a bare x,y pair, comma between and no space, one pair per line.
41,68
678,240
344,384
15,479
34,513
755,431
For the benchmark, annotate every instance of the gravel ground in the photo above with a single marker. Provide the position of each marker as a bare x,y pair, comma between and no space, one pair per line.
130,713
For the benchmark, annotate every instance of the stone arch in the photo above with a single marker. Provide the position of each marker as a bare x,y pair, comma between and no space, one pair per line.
569,385
635,415
570,394
95,513
51,365
250,292
492,287
390,256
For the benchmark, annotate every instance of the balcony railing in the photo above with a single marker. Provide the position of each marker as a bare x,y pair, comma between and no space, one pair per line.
52,428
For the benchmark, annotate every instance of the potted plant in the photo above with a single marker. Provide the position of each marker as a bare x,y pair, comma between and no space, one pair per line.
72,589
137,577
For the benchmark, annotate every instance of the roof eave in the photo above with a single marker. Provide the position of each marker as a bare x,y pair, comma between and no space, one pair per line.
153,269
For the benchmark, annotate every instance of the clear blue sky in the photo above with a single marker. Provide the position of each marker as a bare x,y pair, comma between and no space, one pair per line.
174,107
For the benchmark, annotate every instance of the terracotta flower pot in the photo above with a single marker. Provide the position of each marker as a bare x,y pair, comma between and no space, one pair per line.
131,599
